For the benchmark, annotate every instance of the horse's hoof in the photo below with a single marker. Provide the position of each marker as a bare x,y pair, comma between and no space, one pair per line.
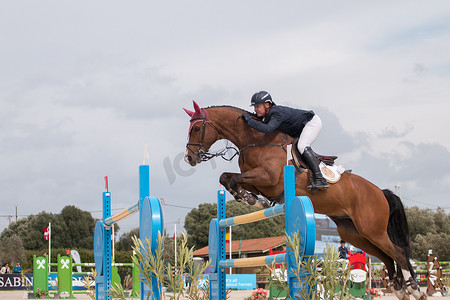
259,205
400,294
418,295
247,198
250,201
238,199
262,203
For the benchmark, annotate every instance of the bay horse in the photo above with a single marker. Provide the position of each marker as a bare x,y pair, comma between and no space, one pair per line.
369,218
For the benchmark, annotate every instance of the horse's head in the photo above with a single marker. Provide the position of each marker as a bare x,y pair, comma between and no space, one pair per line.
202,134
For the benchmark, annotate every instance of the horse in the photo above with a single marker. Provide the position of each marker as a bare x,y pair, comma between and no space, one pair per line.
369,218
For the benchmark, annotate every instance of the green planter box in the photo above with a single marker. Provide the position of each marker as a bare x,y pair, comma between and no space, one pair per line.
277,292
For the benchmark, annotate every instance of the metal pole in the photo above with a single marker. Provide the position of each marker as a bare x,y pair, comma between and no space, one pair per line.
175,235
231,269
113,241
49,246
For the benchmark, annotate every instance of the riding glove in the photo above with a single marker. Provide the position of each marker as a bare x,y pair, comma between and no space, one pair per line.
246,117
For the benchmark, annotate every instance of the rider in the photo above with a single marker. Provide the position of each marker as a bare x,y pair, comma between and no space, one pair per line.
302,124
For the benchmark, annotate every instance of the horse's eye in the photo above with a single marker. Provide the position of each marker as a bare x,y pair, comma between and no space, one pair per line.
196,129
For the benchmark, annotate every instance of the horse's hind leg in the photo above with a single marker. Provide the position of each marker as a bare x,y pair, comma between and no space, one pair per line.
348,232
380,239
402,264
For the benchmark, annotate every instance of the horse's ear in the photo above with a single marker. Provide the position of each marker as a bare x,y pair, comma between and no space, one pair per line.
190,113
197,108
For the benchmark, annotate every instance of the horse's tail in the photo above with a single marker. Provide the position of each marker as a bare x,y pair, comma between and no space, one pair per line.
398,229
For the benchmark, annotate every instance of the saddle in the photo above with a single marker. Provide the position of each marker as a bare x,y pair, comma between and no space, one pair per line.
300,163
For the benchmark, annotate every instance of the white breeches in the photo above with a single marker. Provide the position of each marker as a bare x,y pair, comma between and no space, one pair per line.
309,133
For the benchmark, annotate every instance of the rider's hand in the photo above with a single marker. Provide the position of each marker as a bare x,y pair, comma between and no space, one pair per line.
246,117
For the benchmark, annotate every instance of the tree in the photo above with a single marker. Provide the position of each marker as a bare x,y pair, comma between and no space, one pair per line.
429,230
30,230
267,228
197,222
442,220
12,250
125,241
439,243
72,228
420,221
78,226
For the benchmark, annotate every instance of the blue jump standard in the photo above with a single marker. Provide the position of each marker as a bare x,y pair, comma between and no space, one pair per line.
299,219
151,222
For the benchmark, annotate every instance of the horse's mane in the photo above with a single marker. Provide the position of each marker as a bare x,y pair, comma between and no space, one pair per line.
239,110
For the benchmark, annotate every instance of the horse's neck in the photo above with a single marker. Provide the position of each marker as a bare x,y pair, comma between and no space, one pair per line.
233,128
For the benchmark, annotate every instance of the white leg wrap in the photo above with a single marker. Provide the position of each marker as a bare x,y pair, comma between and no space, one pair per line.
415,292
399,294
406,274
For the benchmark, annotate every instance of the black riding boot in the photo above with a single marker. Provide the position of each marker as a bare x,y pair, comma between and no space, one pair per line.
319,182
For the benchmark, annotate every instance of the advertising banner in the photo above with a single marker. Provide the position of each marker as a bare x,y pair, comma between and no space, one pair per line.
17,282
241,281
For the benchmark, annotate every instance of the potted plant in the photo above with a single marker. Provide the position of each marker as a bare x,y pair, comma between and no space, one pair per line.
41,293
259,294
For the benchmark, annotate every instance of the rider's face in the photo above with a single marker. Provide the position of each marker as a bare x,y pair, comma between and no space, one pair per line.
261,109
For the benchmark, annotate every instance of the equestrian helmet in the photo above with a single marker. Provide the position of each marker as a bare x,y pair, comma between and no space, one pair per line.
261,97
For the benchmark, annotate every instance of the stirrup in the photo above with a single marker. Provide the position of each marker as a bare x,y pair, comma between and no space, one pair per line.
315,187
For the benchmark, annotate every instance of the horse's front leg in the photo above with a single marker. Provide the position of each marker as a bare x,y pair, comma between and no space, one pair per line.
228,180
235,183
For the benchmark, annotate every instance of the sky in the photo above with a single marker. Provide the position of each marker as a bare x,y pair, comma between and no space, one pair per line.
84,85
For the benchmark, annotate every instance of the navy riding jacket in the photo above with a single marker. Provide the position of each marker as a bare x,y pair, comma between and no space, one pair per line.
286,119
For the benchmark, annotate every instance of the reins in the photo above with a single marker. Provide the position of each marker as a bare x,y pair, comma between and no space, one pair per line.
241,151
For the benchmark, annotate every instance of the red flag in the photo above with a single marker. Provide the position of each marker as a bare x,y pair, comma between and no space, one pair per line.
46,233
227,237
174,232
106,184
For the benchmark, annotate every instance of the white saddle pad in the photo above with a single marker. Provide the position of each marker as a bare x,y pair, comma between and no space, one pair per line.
331,173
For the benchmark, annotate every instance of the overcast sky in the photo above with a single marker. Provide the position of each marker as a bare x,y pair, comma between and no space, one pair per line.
84,85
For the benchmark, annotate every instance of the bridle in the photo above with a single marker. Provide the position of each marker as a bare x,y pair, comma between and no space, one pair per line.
202,151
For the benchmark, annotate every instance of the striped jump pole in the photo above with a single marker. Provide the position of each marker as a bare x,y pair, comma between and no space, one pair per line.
150,224
254,216
131,210
253,261
299,219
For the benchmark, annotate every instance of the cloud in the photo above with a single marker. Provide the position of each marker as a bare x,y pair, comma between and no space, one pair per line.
395,132
82,91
